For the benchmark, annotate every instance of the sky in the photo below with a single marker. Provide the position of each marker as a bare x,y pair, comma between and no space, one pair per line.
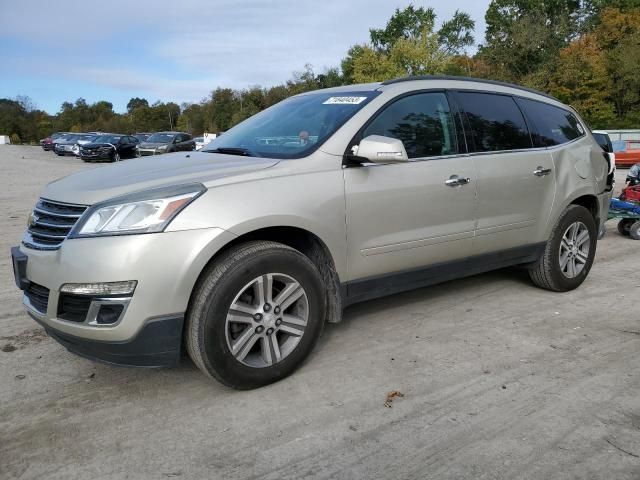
180,51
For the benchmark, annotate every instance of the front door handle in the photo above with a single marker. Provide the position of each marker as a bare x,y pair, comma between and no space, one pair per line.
456,181
541,172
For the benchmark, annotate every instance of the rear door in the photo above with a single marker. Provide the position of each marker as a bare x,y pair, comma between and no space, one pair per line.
516,182
404,216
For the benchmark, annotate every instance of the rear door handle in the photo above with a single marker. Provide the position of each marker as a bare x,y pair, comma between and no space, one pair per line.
456,181
541,172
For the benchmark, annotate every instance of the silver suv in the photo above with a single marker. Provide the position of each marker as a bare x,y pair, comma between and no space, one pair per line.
242,251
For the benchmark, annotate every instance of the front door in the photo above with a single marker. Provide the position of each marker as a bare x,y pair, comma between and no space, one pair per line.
405,216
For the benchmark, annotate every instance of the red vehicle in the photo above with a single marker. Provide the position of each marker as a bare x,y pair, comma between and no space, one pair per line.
627,152
47,143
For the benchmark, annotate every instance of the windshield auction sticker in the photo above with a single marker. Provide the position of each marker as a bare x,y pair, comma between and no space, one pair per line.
344,100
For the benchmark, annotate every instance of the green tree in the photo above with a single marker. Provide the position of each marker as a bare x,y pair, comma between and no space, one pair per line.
136,102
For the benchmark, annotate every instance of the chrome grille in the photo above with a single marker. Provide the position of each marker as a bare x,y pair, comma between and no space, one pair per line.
50,223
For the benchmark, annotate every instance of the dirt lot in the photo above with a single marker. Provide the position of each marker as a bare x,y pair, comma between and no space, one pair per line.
500,380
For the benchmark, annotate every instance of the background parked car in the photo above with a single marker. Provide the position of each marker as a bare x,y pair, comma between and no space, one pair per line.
47,143
200,142
83,140
142,136
64,144
110,147
627,152
164,142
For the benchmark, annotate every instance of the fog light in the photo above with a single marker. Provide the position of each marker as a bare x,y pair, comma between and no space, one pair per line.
108,288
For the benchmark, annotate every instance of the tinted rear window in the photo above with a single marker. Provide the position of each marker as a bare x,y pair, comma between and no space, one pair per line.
554,125
496,122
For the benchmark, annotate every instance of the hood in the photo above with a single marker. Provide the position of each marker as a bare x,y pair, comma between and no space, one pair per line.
92,146
98,184
152,145
65,142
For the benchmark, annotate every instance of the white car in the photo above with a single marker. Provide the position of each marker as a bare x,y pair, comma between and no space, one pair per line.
201,142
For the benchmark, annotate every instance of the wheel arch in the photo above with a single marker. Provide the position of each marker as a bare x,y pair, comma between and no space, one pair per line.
306,242
590,202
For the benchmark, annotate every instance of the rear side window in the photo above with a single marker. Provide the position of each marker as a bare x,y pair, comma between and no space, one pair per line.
496,122
422,121
554,125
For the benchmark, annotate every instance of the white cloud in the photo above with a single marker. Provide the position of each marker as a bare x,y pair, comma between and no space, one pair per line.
183,50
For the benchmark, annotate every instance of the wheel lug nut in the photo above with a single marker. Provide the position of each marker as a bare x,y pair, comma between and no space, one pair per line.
266,307
259,329
276,310
269,331
278,322
257,317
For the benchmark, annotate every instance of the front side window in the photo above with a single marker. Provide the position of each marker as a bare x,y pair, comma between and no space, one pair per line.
554,125
422,121
496,122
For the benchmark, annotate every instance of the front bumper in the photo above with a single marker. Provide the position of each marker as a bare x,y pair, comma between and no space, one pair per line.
165,265
157,344
87,157
144,152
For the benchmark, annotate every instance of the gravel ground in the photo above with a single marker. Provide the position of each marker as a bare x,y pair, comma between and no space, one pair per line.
500,380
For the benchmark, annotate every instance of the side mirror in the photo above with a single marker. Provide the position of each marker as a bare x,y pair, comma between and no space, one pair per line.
379,149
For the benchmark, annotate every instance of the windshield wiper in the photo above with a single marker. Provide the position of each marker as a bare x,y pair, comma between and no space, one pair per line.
244,152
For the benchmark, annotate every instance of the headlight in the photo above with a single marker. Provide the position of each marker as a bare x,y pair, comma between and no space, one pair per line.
143,212
163,147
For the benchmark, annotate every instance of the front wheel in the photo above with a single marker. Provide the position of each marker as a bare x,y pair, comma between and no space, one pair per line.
569,252
255,315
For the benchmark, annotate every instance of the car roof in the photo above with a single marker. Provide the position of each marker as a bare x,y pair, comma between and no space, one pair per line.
420,81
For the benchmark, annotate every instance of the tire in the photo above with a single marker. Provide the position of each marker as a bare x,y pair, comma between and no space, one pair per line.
212,335
634,230
116,157
548,272
624,225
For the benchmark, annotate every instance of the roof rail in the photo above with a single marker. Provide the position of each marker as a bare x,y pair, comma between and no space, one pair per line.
467,79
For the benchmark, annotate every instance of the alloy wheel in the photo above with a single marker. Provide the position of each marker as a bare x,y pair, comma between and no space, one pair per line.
574,249
266,320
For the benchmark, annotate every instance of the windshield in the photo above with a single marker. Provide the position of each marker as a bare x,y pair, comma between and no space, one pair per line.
108,139
160,138
292,128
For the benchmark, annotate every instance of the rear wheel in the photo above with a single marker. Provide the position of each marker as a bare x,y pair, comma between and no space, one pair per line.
634,230
569,252
255,315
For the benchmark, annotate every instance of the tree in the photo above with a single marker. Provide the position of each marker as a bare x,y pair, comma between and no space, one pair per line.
403,24
136,102
408,45
581,79
456,35
523,36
